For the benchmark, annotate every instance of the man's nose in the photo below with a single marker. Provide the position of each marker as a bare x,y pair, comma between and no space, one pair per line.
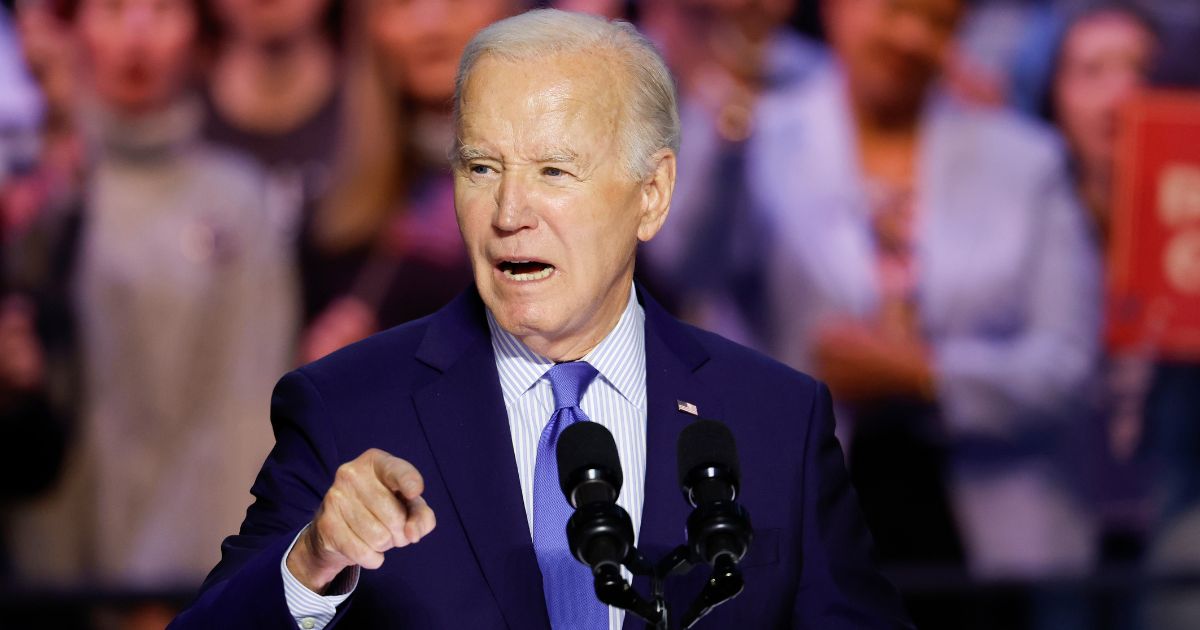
514,210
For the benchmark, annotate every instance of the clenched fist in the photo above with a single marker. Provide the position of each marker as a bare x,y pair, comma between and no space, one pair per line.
373,505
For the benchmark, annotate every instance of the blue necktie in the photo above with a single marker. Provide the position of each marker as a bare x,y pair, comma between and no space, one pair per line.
570,594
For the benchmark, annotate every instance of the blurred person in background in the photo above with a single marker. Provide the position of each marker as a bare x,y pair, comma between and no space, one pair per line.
37,381
1108,53
20,107
933,265
273,90
726,54
183,290
383,246
33,430
611,9
32,435
45,179
1013,44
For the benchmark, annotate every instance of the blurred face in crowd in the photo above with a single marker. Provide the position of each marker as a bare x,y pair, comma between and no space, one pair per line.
753,15
271,21
1105,57
421,40
550,214
892,50
139,52
610,9
46,44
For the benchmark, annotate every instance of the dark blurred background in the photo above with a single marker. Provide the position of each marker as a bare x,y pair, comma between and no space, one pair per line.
915,200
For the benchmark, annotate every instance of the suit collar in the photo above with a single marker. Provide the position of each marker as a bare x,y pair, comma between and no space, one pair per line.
463,323
457,327
674,335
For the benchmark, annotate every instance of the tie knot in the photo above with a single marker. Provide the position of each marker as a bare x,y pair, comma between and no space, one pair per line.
568,380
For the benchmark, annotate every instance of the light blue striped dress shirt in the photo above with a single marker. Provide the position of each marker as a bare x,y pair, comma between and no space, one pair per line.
616,400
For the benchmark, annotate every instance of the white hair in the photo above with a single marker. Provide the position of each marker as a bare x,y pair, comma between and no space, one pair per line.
651,121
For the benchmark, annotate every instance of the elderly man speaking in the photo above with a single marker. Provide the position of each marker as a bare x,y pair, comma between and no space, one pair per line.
564,161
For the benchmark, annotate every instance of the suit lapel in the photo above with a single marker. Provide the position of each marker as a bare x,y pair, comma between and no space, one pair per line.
465,421
672,358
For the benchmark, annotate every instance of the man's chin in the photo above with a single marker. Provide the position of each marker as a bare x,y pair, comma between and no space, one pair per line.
519,317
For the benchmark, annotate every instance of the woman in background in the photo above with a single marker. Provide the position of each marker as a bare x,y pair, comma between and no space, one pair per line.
1109,52
1105,57
183,290
383,246
273,90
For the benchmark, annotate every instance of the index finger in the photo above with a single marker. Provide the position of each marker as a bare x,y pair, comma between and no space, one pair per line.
399,475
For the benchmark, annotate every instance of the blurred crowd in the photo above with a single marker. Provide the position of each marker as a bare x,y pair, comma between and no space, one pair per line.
909,199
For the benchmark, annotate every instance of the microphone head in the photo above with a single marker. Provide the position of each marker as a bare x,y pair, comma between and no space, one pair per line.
706,444
587,452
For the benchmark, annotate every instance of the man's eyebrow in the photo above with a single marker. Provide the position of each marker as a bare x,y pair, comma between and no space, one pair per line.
467,153
559,155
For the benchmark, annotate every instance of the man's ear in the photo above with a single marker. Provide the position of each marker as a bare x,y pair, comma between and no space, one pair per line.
657,189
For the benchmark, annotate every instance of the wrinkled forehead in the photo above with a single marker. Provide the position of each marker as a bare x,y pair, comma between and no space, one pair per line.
570,100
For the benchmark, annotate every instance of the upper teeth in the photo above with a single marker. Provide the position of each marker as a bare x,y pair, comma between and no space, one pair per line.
533,275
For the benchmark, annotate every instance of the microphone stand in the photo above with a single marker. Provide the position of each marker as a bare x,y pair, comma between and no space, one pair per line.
612,589
725,583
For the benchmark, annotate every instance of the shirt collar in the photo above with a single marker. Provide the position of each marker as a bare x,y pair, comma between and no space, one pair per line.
620,357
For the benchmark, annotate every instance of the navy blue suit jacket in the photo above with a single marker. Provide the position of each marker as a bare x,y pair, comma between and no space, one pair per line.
428,392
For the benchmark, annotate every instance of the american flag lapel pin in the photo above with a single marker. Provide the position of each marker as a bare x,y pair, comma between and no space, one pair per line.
687,407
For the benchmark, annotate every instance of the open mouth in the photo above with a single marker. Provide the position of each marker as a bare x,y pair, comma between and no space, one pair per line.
525,270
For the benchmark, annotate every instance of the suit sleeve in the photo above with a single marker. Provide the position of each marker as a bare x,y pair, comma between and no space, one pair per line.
245,589
840,586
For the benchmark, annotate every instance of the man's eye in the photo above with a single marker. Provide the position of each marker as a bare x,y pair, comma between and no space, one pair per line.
480,169
550,171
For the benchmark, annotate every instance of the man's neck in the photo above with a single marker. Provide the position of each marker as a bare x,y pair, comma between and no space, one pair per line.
575,347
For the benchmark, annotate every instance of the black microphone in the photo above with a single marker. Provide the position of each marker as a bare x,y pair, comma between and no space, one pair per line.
709,476
589,468
719,530
708,463
600,533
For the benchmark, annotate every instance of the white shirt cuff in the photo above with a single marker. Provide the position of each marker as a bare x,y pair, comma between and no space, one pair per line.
310,610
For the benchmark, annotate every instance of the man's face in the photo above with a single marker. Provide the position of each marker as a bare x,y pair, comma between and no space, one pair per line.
550,215
892,49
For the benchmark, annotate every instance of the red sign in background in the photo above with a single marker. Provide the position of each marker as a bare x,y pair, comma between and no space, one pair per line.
1154,247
